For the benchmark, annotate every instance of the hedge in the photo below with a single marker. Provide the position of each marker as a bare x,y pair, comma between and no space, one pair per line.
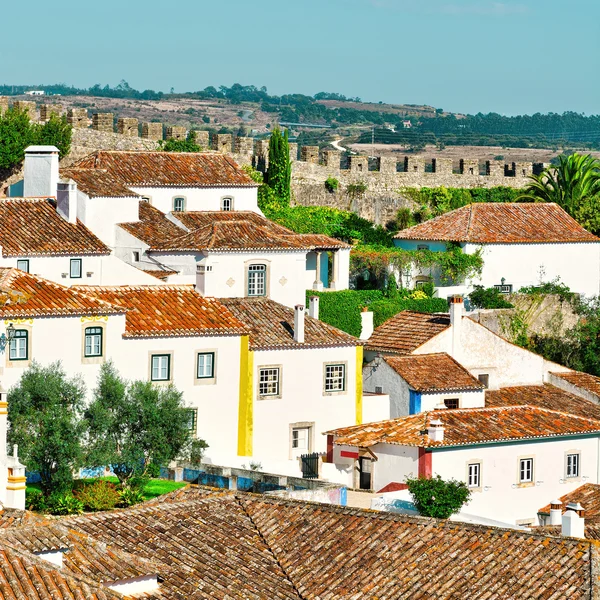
342,309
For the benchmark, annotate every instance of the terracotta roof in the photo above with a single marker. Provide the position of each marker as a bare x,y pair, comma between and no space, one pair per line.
32,227
468,426
163,275
544,396
272,325
98,183
242,546
179,169
588,495
406,331
167,311
502,223
23,296
12,517
433,372
220,231
584,381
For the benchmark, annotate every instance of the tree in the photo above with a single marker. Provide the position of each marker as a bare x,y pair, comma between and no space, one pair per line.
437,498
187,145
16,133
279,173
44,411
56,132
133,426
571,184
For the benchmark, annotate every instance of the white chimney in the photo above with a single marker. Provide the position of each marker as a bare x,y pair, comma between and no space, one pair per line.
313,307
555,512
573,521
299,323
435,431
457,310
41,171
366,330
66,200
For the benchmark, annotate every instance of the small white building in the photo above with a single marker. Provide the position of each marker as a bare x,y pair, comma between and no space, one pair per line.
521,244
512,458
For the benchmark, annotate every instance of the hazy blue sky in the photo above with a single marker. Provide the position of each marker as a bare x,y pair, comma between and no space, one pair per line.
515,56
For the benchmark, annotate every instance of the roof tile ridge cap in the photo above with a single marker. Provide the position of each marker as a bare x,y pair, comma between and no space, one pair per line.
469,222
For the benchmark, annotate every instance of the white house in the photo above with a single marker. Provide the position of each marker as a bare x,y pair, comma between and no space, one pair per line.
521,245
512,458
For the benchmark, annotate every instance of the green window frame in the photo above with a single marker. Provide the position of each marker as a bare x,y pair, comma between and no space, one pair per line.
76,268
178,204
257,280
93,342
23,264
19,345
160,368
205,365
192,420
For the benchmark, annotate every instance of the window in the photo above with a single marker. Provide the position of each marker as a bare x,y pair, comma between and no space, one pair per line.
474,475
335,378
226,204
136,256
19,345
504,288
572,465
451,403
206,365
76,268
257,280
161,367
378,389
526,470
23,265
178,204
485,379
192,420
93,341
146,199
423,247
268,381
300,438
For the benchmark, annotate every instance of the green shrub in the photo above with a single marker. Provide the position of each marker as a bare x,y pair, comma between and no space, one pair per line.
100,495
428,288
35,500
488,298
386,309
355,190
331,184
555,287
438,498
64,503
130,496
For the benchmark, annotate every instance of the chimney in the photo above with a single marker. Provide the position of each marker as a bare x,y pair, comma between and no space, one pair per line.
299,323
555,512
366,330
41,171
435,431
573,521
313,308
66,200
457,310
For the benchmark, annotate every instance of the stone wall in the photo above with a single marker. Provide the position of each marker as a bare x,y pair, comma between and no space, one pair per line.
77,118
46,110
104,122
28,106
128,127
175,132
152,131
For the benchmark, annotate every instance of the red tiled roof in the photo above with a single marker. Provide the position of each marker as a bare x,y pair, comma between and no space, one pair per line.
180,169
433,372
584,381
23,296
501,223
32,227
393,486
153,228
588,495
406,331
544,396
272,325
163,310
468,426
98,183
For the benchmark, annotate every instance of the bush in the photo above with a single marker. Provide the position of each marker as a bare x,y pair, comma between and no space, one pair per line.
130,496
488,298
355,190
331,184
35,500
64,503
100,495
195,451
438,498
386,309
555,287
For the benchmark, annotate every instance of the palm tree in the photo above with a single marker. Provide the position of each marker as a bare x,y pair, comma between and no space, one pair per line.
574,180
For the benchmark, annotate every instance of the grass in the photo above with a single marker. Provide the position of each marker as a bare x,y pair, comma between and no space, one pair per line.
154,488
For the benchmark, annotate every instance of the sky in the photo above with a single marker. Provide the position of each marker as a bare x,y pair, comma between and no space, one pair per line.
510,57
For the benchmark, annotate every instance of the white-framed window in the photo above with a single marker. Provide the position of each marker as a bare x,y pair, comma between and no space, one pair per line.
19,345
573,465
161,367
93,341
205,367
301,439
75,268
257,280
525,470
335,378
474,475
227,204
23,265
178,204
269,381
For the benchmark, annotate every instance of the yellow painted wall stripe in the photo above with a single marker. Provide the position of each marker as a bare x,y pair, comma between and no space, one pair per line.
359,385
245,409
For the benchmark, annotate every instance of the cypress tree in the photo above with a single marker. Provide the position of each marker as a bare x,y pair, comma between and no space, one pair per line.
279,172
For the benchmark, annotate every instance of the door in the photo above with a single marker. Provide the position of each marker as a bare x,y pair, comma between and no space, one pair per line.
365,468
